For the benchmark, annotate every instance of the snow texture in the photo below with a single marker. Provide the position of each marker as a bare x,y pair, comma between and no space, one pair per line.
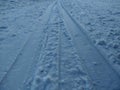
59,44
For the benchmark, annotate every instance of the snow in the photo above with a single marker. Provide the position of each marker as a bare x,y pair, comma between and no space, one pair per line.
59,45
102,26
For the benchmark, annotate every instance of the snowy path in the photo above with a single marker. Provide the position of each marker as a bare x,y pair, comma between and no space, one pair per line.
56,54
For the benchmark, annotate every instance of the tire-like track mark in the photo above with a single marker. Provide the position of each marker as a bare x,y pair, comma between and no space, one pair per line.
98,68
25,46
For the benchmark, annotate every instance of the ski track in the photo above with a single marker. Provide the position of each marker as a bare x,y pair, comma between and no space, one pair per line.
59,56
16,59
87,36
20,58
12,35
46,52
51,59
98,34
71,66
96,65
43,78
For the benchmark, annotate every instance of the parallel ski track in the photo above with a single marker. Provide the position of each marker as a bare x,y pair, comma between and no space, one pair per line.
44,40
83,65
18,55
16,59
87,36
100,51
90,43
59,54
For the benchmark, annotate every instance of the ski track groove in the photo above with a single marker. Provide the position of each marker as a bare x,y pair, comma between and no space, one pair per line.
40,56
36,57
43,46
80,58
59,59
90,42
58,51
17,58
63,31
100,51
82,64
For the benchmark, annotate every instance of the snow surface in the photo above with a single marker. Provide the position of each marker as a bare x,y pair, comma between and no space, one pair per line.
59,44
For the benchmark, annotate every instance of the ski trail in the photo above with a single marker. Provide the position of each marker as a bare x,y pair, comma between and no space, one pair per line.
59,58
16,58
87,33
51,74
21,58
43,42
73,73
16,40
97,67
46,74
